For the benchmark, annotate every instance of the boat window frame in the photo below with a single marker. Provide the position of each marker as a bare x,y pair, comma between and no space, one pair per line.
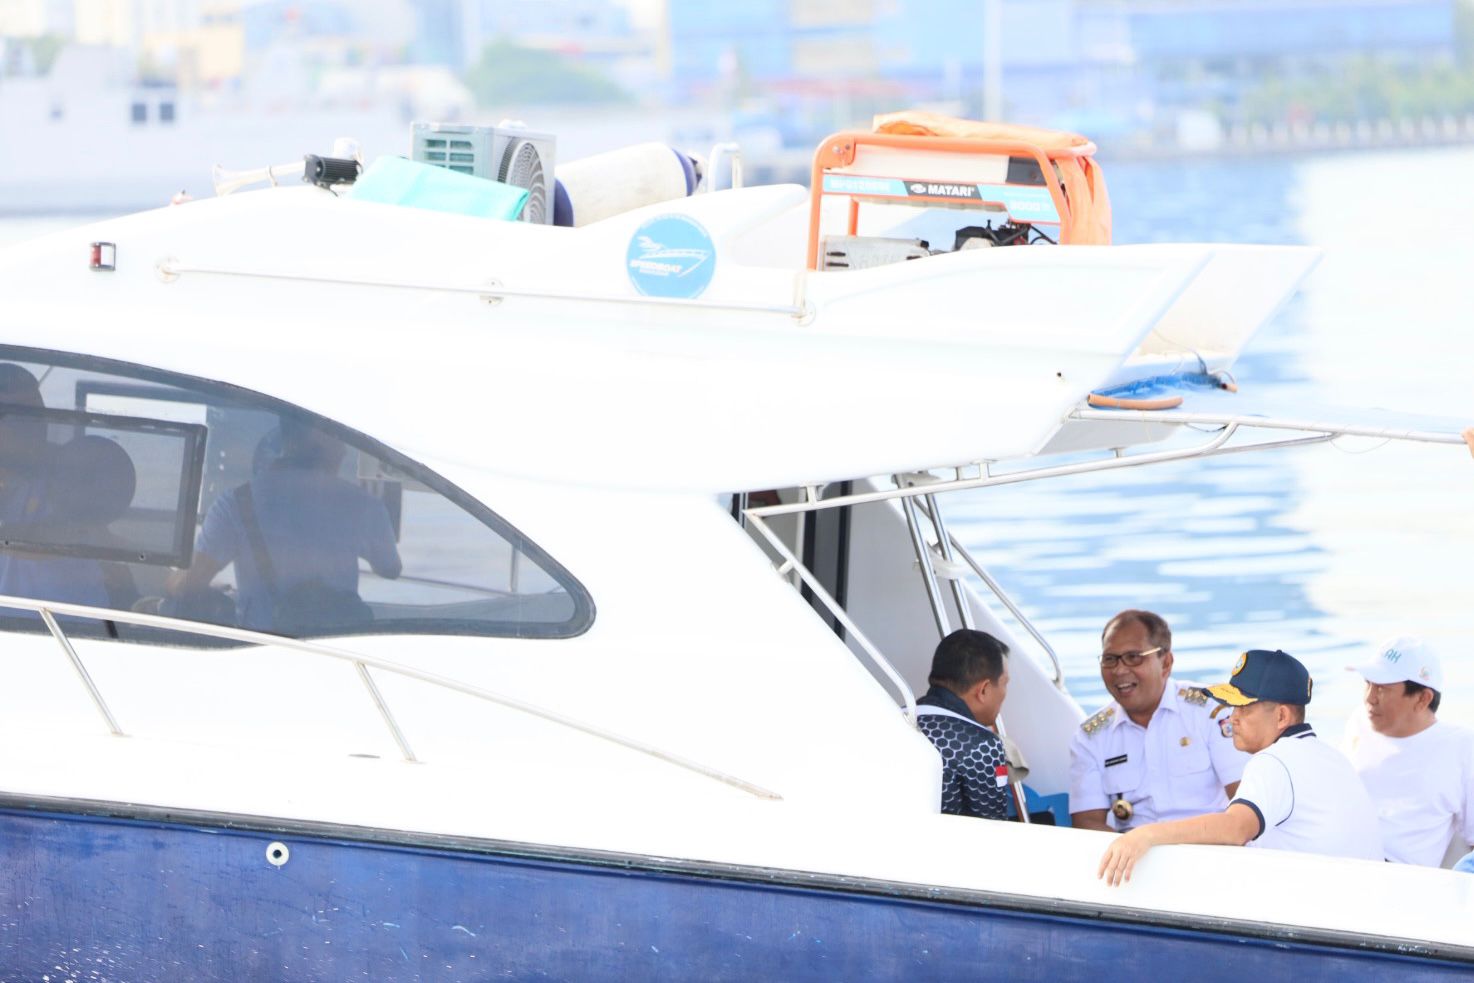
229,394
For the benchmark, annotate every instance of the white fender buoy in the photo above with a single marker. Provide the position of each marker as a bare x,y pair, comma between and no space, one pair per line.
606,184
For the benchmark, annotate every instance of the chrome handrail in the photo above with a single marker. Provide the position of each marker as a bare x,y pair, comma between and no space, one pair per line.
928,569
170,269
791,563
1178,418
361,662
1211,448
945,542
1003,598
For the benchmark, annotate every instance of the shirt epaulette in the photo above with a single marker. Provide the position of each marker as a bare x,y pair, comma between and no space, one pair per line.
1195,695
1098,720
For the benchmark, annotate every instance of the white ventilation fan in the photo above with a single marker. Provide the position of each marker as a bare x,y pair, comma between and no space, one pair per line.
522,166
506,153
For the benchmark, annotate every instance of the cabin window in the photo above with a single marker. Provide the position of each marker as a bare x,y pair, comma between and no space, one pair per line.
166,112
127,488
138,112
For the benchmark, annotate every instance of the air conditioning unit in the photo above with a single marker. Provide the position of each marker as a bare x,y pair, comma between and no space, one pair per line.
506,153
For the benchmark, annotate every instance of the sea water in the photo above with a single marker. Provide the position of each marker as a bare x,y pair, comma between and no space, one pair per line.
1320,551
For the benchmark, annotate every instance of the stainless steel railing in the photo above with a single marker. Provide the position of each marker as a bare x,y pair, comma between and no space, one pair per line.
362,665
792,565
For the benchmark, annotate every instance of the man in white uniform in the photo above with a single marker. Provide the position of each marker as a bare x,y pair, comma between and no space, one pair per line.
1155,752
1297,793
1419,771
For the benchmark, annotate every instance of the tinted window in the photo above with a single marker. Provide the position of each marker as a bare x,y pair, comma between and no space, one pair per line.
133,489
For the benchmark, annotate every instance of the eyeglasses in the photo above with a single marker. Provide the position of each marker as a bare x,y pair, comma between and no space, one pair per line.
1109,660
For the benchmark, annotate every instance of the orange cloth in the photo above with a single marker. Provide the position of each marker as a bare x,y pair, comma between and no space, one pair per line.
1089,218
922,123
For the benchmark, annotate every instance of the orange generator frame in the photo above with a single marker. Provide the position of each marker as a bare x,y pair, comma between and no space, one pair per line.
1076,201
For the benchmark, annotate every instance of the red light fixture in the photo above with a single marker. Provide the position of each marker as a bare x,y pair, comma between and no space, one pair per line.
104,256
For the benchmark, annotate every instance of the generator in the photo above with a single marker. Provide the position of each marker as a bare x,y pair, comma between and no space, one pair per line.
919,184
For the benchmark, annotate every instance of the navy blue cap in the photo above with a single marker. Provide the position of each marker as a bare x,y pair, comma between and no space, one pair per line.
1264,675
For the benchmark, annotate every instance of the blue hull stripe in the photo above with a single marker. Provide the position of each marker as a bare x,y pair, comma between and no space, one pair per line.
90,896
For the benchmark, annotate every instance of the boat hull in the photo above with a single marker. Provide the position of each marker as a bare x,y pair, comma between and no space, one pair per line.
99,894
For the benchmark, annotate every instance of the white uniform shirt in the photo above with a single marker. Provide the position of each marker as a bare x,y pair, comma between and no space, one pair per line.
1175,767
1308,798
1422,786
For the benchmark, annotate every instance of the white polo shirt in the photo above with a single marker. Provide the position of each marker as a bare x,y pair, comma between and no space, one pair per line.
1423,788
1309,799
1175,767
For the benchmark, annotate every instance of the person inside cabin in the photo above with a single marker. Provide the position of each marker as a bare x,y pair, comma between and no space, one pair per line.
22,445
969,681
60,498
1155,751
295,533
1418,769
1298,792
48,494
90,483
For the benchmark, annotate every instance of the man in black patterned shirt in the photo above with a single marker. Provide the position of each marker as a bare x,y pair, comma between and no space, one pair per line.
969,680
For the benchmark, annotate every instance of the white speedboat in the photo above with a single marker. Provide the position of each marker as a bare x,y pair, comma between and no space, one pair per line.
592,708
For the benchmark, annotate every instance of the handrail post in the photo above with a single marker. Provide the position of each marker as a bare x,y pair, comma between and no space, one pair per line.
82,673
944,545
923,558
389,721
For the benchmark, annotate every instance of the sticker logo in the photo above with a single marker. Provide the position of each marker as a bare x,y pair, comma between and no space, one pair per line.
917,188
671,256
1238,666
934,189
1225,727
1392,655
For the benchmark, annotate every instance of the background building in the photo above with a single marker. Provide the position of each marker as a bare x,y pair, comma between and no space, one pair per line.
1114,67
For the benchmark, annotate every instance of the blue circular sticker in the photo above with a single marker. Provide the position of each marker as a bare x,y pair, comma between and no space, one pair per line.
671,256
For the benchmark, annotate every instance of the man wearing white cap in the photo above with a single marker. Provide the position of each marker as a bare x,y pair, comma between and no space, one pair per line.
1420,772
